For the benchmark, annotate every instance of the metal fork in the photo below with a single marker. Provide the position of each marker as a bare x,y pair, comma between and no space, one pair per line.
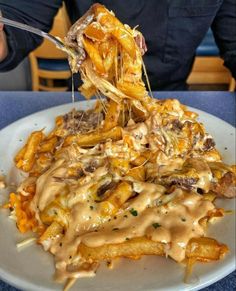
59,44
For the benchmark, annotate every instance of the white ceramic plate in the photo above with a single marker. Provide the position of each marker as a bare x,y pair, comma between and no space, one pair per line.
32,268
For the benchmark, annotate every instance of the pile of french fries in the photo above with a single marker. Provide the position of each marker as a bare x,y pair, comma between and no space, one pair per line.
80,183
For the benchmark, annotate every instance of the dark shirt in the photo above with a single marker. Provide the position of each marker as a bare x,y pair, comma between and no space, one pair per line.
173,29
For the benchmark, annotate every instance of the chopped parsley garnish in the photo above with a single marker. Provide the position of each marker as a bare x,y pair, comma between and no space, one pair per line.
133,212
156,225
91,207
127,238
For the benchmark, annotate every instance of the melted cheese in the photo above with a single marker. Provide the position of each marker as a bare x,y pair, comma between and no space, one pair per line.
171,219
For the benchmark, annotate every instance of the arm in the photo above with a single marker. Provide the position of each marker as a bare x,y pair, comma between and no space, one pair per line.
3,44
15,44
224,29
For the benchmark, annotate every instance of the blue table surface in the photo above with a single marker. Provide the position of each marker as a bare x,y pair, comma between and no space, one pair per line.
15,105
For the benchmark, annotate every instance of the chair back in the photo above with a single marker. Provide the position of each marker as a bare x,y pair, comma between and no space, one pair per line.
47,50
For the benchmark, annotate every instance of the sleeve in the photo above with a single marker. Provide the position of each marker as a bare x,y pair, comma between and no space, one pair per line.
224,29
38,13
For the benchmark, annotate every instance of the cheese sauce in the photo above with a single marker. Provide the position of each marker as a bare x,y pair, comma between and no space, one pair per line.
172,219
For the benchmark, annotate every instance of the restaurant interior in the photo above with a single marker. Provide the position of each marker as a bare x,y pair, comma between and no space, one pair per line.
44,80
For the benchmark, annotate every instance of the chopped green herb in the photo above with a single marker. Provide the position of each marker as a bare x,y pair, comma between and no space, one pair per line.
126,238
156,225
133,212
183,219
91,207
116,228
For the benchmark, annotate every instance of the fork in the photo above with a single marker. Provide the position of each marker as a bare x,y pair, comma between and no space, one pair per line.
59,44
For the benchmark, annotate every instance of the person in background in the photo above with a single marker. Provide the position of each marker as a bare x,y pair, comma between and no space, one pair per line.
172,29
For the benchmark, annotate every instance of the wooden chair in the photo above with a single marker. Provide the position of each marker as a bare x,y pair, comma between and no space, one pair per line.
49,64
208,67
232,85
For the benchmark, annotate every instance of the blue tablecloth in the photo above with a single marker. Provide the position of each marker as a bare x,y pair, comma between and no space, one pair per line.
14,105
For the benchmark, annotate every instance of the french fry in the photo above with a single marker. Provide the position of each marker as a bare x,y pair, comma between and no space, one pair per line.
111,55
139,161
120,194
137,173
93,138
27,160
205,249
52,231
59,120
211,196
133,248
119,166
94,55
144,157
42,162
48,145
95,32
112,115
116,28
87,91
139,112
54,212
134,90
20,155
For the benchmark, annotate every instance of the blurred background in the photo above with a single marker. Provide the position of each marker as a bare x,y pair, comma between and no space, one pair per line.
47,69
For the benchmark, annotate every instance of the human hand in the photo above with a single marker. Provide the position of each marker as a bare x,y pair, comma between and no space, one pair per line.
3,43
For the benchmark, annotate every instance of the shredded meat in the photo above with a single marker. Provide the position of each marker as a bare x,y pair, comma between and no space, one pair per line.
82,121
108,186
188,177
176,125
226,187
184,182
140,41
74,39
208,144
